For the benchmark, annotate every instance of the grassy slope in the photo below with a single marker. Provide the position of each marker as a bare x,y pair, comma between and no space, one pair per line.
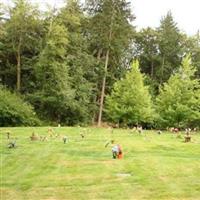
161,167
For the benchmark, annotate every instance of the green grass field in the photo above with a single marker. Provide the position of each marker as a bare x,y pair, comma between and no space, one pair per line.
154,167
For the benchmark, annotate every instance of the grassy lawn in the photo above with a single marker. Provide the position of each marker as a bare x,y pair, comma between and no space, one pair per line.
154,167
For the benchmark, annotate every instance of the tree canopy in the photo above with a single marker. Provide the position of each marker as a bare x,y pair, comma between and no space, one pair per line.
66,62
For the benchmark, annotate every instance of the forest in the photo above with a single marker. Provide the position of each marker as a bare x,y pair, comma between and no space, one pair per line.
87,64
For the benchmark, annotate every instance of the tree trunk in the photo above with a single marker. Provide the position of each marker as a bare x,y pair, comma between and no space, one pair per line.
94,111
99,53
103,88
162,69
152,68
18,57
105,70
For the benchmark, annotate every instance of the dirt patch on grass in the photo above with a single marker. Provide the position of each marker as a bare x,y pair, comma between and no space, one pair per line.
124,175
51,199
163,178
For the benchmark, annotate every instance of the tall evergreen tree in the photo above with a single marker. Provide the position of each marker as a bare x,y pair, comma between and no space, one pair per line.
21,37
80,62
145,49
2,36
54,95
130,102
169,47
178,104
110,35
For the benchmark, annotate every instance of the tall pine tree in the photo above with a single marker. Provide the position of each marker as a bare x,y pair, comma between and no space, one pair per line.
169,40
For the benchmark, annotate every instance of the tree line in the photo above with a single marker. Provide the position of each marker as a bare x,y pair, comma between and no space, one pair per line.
86,63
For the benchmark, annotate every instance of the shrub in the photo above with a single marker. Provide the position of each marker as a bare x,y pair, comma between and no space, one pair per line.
14,111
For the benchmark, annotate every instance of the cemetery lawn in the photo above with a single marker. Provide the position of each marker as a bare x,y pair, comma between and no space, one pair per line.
154,167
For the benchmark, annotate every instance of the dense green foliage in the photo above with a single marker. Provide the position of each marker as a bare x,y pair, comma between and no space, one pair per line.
111,34
178,103
22,31
81,65
53,93
14,111
130,101
154,167
160,50
169,41
65,61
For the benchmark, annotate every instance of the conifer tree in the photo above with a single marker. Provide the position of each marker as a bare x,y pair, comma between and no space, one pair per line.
178,104
110,34
130,101
169,40
80,62
54,94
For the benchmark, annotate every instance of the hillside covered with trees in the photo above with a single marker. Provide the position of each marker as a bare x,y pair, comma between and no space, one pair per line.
86,64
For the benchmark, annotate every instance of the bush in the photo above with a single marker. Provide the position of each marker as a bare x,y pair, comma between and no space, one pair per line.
14,111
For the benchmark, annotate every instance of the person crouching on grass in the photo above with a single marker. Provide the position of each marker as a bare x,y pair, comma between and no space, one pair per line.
116,150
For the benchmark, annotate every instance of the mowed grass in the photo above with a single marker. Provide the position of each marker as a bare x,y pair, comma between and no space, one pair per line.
154,167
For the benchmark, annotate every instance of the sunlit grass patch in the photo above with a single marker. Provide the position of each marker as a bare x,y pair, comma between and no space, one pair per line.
154,166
